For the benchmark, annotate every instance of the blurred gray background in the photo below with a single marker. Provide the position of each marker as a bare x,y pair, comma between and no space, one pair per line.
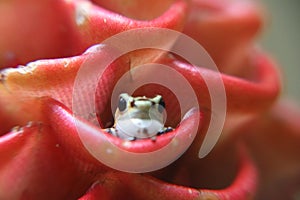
281,37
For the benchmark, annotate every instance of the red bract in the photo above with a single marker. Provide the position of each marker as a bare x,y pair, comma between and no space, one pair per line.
35,31
42,154
226,30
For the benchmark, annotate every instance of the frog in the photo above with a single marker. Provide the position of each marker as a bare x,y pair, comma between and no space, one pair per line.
139,118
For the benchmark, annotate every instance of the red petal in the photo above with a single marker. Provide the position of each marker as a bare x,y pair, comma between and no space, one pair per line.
33,163
117,185
226,30
274,139
69,31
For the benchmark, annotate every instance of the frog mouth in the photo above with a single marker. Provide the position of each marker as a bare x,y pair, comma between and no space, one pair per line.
144,115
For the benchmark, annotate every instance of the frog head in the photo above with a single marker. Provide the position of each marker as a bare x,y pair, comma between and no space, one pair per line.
139,117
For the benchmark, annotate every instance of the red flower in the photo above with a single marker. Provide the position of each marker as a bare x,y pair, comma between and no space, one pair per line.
42,152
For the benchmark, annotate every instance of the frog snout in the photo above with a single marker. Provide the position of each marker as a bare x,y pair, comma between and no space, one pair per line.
142,105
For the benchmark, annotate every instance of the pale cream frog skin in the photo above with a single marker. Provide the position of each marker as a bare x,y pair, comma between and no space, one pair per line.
139,117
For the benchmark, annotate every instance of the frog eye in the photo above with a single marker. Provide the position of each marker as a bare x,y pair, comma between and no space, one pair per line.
161,105
122,104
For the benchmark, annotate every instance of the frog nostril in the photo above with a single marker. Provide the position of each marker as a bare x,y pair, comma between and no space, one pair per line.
132,104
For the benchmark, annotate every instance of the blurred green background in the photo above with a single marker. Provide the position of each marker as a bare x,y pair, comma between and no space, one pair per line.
281,37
